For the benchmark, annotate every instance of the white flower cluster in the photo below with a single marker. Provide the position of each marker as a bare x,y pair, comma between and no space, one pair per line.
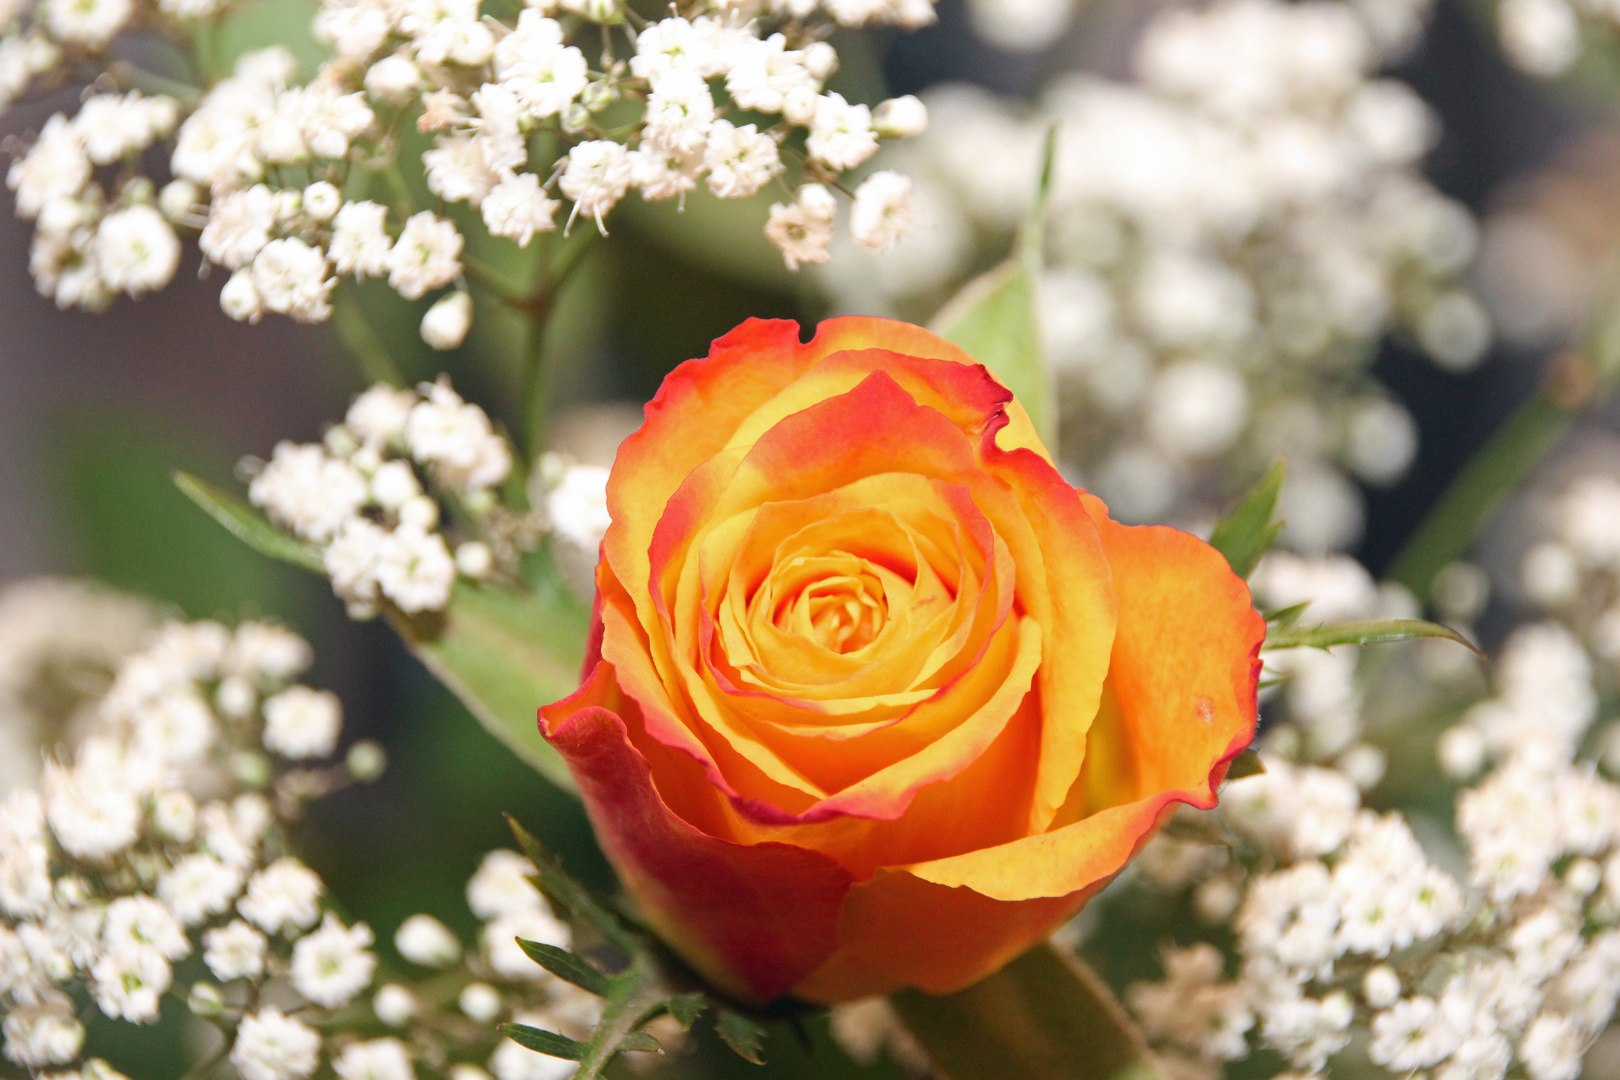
360,497
282,179
372,498
502,984
1574,571
1350,941
89,247
1229,237
118,869
152,842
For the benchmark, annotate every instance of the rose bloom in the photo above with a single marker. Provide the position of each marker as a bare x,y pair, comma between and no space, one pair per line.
873,697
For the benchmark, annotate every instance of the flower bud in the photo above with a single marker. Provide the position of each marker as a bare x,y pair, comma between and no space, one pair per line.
204,999
177,199
322,200
394,1005
817,202
1381,987
424,940
821,61
446,322
480,1001
474,559
366,761
799,105
240,298
901,117
393,80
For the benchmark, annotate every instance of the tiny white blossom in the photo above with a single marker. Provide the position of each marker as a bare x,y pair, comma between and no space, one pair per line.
130,981
234,951
360,241
424,940
883,210
740,160
272,1046
375,1059
445,324
91,817
500,940
577,507
379,415
55,167
136,250
92,23
901,117
307,491
1552,1048
292,279
517,208
394,1005
596,177
426,256
333,964
302,723
502,884
240,299
416,570
199,886
43,1034
282,897
239,225
680,111
841,134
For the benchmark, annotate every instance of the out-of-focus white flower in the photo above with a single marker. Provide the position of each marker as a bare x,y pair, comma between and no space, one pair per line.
577,506
426,256
1542,37
374,1059
394,1005
310,493
596,177
234,951
283,897
802,229
740,160
416,570
480,1001
334,963
424,940
199,886
501,935
445,324
360,242
291,278
882,212
129,983
841,134
136,250
302,723
517,208
273,1046
502,885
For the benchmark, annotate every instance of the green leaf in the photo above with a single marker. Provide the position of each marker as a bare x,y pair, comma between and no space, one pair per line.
247,524
1198,827
1045,1016
1245,765
1249,530
686,1008
1371,632
505,652
1288,616
994,316
566,966
544,1042
569,894
742,1035
640,1041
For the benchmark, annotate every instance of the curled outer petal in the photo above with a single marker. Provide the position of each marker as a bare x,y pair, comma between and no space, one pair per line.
875,699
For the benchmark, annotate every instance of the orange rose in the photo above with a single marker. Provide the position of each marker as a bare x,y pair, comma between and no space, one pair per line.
874,698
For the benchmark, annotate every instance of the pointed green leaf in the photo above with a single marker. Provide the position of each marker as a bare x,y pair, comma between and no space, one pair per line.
1045,1016
994,317
640,1041
544,1042
1371,632
1245,765
569,894
1288,616
505,652
1248,531
566,966
686,1008
742,1035
248,525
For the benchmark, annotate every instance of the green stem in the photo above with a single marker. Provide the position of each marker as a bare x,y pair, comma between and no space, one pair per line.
368,350
1045,1016
535,393
1574,381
